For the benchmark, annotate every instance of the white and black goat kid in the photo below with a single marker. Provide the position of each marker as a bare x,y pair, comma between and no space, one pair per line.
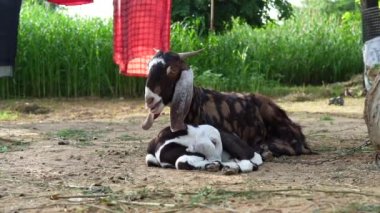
197,147
254,118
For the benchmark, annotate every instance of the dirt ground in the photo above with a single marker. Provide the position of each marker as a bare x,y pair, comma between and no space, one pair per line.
88,155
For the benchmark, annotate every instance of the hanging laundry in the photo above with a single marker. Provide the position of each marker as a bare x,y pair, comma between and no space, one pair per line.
71,2
139,28
9,21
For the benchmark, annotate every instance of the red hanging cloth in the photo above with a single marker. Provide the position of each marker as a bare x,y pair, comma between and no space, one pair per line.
71,2
140,26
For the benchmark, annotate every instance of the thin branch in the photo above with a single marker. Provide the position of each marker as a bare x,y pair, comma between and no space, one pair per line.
293,189
51,205
57,196
147,203
320,190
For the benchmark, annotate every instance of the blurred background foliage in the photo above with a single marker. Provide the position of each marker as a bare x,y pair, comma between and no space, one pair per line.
255,13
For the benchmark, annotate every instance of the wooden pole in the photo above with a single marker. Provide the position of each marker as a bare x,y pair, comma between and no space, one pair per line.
212,15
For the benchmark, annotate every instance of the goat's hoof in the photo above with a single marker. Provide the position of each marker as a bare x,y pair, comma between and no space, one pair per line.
229,171
213,167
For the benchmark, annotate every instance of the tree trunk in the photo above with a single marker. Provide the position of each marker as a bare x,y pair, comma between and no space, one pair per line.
372,113
369,3
212,15
371,53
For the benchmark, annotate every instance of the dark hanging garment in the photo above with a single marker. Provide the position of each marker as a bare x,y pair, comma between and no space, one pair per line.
9,19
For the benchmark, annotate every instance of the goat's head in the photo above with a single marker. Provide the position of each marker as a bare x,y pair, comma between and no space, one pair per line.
170,82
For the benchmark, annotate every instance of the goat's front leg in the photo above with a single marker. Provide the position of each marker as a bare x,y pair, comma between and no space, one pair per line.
235,148
235,166
194,162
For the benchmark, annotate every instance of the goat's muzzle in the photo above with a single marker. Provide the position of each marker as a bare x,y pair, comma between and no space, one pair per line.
156,107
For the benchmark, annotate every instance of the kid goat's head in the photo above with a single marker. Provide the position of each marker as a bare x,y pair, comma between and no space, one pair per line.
170,82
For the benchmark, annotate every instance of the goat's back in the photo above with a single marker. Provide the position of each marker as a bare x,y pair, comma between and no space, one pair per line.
255,118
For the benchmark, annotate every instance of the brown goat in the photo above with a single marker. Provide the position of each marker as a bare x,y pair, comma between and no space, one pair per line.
254,118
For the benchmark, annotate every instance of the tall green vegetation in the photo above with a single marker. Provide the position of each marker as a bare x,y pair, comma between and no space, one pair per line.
307,49
60,56
338,7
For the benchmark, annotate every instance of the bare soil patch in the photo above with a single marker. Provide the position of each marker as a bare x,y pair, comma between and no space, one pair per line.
88,155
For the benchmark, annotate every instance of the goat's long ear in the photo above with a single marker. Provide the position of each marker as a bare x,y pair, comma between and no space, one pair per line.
180,106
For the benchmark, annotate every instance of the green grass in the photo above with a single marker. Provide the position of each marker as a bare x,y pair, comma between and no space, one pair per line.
209,195
11,146
74,134
324,148
80,136
325,91
326,118
7,116
3,149
202,195
127,137
361,207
